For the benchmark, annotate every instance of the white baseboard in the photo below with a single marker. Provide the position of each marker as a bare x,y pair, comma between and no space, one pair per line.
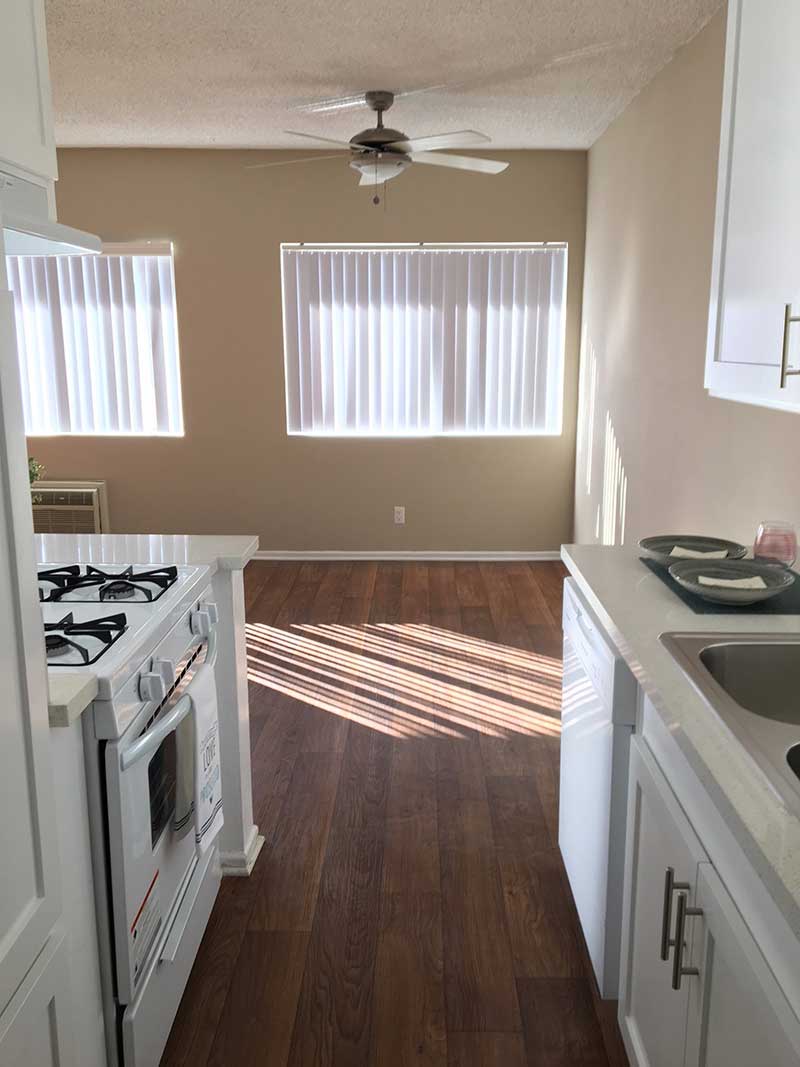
240,864
390,555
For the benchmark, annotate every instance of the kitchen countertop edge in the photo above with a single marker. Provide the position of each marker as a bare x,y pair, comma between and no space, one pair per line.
69,694
219,551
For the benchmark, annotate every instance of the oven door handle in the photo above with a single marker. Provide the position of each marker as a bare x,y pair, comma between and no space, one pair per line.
150,741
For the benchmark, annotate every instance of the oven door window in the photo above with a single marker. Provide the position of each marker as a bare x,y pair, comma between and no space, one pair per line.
161,778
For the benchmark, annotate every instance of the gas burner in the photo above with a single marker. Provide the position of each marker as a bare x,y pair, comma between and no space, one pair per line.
120,590
90,584
56,645
97,636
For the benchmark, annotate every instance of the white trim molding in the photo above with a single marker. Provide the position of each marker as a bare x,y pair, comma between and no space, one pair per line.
393,555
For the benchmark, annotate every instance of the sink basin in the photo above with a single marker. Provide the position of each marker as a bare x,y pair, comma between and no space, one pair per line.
752,682
760,676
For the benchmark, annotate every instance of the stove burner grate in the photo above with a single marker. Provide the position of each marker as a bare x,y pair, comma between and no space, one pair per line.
59,637
127,584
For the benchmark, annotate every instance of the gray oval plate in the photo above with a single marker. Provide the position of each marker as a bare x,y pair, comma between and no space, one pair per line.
687,571
659,548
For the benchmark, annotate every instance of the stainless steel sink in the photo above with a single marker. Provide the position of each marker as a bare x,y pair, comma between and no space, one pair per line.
752,681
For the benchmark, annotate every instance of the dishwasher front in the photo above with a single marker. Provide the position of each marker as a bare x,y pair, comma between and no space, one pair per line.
598,711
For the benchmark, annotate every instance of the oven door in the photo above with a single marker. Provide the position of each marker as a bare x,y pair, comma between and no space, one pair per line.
151,863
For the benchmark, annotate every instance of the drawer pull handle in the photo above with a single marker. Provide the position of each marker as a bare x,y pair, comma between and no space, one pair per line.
678,970
670,887
786,370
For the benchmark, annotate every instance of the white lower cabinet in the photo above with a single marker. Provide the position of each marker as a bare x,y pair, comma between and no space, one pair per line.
737,1011
652,1014
34,1028
695,988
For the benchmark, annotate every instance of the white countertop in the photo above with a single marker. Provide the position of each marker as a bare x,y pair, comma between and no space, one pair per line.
226,551
71,692
635,607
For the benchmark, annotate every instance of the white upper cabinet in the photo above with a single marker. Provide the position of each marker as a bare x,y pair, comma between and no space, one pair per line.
755,285
26,121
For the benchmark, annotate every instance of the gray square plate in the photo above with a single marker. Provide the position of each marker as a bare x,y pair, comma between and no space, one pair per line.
659,548
776,577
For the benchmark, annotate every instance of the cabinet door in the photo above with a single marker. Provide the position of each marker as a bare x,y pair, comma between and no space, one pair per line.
26,123
29,897
738,1015
34,1028
756,269
652,1015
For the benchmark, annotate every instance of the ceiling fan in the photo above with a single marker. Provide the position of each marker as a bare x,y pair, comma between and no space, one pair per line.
381,153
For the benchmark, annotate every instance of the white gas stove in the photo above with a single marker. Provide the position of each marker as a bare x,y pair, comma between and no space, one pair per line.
112,620
148,634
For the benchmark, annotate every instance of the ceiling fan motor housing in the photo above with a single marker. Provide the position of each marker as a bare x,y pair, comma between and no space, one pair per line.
371,156
380,167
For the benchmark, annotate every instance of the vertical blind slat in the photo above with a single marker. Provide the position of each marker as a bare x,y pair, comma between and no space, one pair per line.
98,344
424,340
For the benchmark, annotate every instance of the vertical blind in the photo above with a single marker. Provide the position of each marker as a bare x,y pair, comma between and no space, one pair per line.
98,343
424,340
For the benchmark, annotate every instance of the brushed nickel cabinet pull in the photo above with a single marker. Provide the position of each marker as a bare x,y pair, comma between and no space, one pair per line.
678,970
670,887
786,370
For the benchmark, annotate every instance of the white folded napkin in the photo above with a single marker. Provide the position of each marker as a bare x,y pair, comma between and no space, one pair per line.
691,553
756,582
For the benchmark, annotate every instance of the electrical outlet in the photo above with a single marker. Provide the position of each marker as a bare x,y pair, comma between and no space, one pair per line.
399,515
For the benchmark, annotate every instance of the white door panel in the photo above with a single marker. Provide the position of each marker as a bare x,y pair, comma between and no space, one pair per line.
34,1028
29,902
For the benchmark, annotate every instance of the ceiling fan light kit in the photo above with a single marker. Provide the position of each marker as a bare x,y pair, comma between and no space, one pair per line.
381,153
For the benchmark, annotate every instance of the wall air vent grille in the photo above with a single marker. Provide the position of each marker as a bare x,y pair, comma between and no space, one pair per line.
70,507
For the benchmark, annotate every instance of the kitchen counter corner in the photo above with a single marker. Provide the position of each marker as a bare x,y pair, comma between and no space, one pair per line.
70,694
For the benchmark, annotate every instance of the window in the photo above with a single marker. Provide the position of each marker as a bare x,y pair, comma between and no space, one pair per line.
98,342
424,340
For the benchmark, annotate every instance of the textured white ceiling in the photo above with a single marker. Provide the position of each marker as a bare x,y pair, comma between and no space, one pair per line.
228,73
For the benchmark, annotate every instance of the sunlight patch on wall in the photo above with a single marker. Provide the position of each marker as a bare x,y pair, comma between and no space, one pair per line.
615,490
589,405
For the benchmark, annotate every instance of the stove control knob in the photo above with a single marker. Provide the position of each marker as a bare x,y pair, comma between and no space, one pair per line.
152,687
213,613
201,623
166,668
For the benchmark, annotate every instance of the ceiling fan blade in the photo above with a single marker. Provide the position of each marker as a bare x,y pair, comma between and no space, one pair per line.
354,100
445,159
315,137
288,162
456,139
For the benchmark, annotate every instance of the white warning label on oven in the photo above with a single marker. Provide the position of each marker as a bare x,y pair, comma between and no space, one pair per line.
144,928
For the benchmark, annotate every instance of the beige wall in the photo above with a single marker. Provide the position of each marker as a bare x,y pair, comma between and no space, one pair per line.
692,463
236,469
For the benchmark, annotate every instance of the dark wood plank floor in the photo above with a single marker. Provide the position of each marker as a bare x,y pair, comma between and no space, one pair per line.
410,904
